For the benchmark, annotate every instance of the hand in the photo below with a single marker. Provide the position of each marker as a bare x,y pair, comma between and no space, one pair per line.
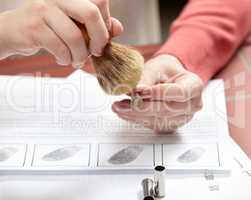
47,24
171,96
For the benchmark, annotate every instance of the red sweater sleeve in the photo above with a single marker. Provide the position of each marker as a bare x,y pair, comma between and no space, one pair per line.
207,33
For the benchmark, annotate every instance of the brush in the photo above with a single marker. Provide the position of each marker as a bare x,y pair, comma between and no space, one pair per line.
120,67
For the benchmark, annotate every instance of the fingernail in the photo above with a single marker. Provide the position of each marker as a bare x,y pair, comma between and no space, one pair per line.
124,105
78,65
61,63
121,107
96,53
146,91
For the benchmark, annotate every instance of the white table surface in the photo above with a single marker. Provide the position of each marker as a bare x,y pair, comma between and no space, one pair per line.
123,187
99,187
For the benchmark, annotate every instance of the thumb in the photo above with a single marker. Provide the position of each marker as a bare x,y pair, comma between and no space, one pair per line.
117,28
148,79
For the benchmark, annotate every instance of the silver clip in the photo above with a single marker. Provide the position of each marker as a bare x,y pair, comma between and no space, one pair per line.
209,175
157,187
148,189
213,185
159,181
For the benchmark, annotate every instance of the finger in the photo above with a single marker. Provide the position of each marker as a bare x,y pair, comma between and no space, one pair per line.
48,40
117,28
88,13
148,79
103,6
185,88
69,33
158,108
192,84
152,74
113,25
169,92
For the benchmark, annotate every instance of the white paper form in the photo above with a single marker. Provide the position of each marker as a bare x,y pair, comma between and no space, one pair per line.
65,112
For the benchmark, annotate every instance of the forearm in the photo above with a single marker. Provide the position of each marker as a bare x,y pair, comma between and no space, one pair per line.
207,34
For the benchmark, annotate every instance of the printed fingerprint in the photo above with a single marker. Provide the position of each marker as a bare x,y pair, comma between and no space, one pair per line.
126,155
7,152
62,153
191,155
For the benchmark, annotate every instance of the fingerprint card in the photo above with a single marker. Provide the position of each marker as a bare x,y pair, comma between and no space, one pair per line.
191,155
46,155
12,155
127,155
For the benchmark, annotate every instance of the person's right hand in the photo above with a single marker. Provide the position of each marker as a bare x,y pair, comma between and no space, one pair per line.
48,24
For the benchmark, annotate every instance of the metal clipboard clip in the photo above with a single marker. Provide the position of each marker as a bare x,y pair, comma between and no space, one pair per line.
212,183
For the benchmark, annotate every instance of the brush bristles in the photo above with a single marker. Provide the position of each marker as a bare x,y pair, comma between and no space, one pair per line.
119,69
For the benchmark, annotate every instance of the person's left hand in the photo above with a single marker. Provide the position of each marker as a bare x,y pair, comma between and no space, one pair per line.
171,96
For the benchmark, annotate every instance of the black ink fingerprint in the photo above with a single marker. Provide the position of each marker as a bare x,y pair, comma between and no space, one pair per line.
126,155
7,152
61,153
191,155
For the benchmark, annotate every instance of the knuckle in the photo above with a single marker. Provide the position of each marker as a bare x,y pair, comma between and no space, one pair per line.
183,98
198,81
59,50
103,40
93,14
37,10
200,85
76,36
62,51
187,95
101,3
199,106
189,118
34,24
182,94
38,7
32,28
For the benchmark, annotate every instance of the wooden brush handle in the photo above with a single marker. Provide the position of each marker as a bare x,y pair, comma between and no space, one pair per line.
84,32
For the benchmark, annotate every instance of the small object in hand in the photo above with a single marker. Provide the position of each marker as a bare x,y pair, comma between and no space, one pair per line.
119,69
137,102
148,189
159,181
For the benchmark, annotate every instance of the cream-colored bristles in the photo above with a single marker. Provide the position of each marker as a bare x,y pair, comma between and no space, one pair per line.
119,69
